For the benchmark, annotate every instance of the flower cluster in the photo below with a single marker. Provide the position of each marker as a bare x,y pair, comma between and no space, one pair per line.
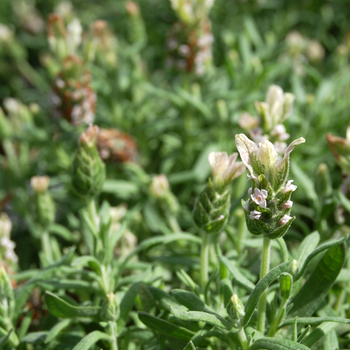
7,246
190,39
212,208
269,204
272,113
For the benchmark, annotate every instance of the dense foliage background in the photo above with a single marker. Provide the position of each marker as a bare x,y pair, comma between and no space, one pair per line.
169,120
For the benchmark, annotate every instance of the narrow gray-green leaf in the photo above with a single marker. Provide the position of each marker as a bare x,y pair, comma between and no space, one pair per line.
165,327
127,303
308,244
314,321
190,346
56,330
261,287
319,282
60,308
190,300
319,332
236,274
331,341
88,260
277,344
318,250
215,320
91,339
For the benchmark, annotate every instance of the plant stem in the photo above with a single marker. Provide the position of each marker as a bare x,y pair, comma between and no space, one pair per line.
46,246
92,212
264,269
284,249
243,339
276,321
205,259
113,334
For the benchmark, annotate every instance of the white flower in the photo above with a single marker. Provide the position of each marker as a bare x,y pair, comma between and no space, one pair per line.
280,132
280,147
246,206
160,185
184,50
5,32
259,197
250,191
7,243
285,219
255,215
264,159
74,35
289,187
288,204
11,255
5,225
223,167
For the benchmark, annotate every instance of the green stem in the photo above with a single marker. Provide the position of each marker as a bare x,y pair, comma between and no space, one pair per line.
46,246
173,223
264,269
93,212
113,334
243,339
284,249
205,260
276,321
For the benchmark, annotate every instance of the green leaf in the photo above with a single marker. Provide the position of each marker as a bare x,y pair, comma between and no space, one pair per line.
261,287
163,298
277,344
121,188
190,300
215,320
309,243
56,330
318,250
4,339
237,276
127,303
190,346
319,332
314,321
165,327
34,338
60,308
88,260
331,341
319,282
89,340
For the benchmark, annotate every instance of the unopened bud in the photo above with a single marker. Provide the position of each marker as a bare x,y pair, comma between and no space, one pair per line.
286,285
323,183
110,308
88,170
5,225
235,308
40,184
43,206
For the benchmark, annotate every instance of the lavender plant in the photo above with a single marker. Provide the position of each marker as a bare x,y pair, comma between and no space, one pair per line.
135,232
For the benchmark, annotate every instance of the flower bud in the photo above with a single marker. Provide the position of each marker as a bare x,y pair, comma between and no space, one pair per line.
211,211
161,190
43,207
88,170
268,207
323,183
224,169
57,36
286,285
235,308
110,308
5,225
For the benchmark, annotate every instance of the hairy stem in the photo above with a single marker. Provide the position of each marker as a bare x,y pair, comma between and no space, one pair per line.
264,269
205,259
46,246
243,339
113,333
